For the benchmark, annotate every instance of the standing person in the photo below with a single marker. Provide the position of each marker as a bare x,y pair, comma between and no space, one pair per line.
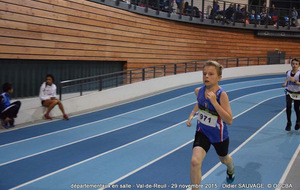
214,115
292,85
9,110
48,97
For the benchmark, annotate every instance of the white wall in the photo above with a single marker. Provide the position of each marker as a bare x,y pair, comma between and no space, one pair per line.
31,109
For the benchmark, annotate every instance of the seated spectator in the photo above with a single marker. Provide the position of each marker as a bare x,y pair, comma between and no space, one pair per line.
272,10
254,17
294,17
216,7
215,11
179,6
229,12
239,13
166,6
273,15
48,97
245,15
263,16
141,3
187,9
9,110
196,12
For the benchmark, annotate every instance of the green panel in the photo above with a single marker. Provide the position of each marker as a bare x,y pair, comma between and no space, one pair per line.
27,75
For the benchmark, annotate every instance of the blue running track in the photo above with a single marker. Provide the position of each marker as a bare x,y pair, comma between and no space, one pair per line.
145,144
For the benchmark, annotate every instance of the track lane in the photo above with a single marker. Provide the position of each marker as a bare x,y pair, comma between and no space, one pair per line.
91,166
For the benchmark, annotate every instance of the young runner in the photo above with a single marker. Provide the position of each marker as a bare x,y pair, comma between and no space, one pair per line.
292,85
214,115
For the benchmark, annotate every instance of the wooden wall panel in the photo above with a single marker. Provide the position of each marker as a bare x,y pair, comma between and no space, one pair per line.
83,30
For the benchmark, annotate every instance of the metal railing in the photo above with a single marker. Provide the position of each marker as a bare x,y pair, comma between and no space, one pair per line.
214,12
86,85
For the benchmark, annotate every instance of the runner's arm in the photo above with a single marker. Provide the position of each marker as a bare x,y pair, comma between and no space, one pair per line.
196,108
223,108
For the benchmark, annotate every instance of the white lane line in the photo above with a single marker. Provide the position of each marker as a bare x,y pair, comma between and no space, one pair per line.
242,82
64,145
243,144
78,163
260,92
98,121
68,167
123,114
258,105
288,168
217,165
148,164
48,150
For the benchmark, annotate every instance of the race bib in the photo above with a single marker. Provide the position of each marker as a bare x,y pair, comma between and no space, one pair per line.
207,118
295,96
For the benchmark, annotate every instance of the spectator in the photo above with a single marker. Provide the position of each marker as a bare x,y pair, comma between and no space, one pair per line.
239,13
48,97
229,12
166,6
264,5
216,7
264,15
179,6
245,14
273,15
9,110
294,17
187,9
215,11
141,3
254,16
196,12
272,10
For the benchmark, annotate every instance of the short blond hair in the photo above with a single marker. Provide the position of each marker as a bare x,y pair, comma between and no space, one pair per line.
218,66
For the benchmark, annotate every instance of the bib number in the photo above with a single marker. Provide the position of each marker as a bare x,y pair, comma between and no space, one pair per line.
295,96
207,118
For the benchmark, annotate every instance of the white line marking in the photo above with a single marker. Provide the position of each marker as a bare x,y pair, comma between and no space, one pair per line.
37,179
78,163
91,137
245,142
98,121
149,163
48,150
118,116
288,168
257,105
259,80
217,165
260,92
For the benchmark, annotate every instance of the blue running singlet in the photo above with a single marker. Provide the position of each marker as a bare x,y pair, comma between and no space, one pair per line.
208,120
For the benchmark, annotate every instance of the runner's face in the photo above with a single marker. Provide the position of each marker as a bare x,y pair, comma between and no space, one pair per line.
295,65
210,76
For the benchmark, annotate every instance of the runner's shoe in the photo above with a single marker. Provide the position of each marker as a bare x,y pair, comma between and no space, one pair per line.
4,124
230,176
12,122
288,126
297,126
